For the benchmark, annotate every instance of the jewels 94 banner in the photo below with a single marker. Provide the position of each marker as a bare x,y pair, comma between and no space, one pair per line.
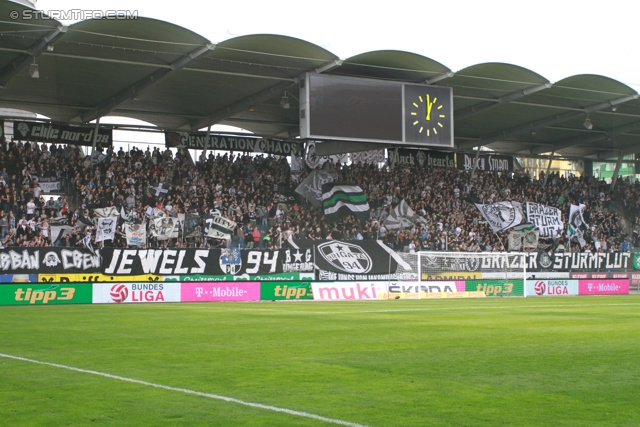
214,262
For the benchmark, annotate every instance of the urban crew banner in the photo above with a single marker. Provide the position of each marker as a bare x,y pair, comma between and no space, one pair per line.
19,260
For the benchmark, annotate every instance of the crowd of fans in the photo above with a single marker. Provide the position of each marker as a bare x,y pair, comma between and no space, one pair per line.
257,192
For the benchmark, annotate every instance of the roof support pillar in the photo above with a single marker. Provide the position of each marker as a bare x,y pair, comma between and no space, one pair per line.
475,164
616,171
546,175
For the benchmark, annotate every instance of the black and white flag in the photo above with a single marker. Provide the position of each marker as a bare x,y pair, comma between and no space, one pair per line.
311,187
501,215
106,212
218,227
106,228
402,216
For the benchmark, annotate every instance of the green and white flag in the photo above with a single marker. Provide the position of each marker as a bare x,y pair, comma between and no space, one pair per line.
340,199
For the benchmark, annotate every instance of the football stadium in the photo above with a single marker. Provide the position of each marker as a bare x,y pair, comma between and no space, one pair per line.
371,241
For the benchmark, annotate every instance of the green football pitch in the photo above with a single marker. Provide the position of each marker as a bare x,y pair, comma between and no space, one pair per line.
564,361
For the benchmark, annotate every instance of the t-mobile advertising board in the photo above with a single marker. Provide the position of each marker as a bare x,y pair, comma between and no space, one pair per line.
106,293
552,287
604,286
220,291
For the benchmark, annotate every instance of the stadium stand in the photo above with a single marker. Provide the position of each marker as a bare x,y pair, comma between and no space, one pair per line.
256,192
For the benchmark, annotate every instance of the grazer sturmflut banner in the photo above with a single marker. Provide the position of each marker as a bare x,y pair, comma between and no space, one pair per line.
61,134
536,261
44,260
246,144
579,261
354,260
213,262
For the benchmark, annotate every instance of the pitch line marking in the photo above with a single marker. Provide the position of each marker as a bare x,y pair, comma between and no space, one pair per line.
187,391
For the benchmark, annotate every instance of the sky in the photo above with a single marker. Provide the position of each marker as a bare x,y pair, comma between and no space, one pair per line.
556,39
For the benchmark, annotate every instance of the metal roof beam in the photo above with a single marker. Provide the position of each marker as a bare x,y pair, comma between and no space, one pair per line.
542,123
23,59
487,105
254,99
241,105
438,77
135,89
591,138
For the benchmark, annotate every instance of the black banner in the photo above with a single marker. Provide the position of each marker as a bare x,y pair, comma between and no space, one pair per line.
579,261
491,263
422,158
246,144
486,162
536,261
48,260
61,134
353,260
215,262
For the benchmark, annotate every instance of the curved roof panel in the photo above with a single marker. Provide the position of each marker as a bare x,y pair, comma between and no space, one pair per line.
392,65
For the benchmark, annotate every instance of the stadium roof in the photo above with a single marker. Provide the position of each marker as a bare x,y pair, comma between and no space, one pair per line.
176,79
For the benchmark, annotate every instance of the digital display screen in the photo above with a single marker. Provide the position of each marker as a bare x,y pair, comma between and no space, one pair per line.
357,109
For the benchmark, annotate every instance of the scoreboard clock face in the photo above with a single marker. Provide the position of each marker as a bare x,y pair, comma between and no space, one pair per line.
428,112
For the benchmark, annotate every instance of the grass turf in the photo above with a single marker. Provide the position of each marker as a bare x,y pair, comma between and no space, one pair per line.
565,361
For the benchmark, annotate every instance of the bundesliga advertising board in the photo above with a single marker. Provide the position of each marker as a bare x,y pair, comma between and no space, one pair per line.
577,287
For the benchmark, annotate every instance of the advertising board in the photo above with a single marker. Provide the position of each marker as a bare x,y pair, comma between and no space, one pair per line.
110,293
270,291
338,291
552,287
497,288
45,294
603,287
220,291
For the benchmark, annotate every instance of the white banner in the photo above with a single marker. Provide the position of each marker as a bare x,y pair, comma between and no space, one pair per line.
548,219
106,228
50,186
501,215
106,212
136,234
163,227
368,157
219,227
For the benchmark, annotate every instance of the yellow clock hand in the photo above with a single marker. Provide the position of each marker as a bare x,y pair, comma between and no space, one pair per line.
429,105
